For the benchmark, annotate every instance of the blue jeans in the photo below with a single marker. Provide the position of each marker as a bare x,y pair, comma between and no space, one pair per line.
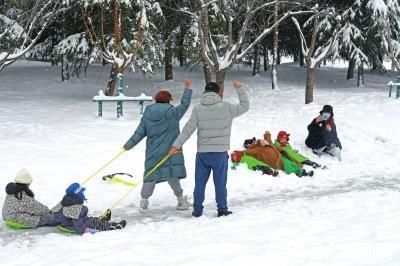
218,163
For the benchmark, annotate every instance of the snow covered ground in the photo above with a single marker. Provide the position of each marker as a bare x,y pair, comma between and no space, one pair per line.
347,214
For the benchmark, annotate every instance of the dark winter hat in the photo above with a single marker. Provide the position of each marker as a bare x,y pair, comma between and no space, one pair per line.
212,87
327,109
76,189
248,142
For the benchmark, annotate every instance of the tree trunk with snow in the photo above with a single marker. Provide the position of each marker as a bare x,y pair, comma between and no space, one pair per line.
295,57
112,81
222,56
207,74
310,85
266,57
220,78
360,76
315,56
350,69
274,72
168,64
118,56
256,63
64,69
301,59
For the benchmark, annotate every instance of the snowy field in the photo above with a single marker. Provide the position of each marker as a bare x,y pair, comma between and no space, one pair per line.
347,214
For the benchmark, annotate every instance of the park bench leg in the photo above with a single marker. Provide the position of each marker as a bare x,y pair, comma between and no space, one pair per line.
141,106
398,92
119,109
100,109
390,90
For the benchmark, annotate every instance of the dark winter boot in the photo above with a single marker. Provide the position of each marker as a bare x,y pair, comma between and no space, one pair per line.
311,173
302,173
266,170
311,163
197,213
120,225
224,213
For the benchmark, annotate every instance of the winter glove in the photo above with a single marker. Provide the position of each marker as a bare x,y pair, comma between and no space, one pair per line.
89,230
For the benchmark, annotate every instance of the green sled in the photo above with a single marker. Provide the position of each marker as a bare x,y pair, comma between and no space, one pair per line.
66,229
14,225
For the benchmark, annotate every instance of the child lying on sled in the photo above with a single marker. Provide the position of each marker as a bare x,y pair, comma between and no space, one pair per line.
282,143
72,214
265,151
239,157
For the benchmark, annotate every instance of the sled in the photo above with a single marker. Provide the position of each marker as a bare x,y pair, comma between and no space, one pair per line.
66,229
116,178
15,225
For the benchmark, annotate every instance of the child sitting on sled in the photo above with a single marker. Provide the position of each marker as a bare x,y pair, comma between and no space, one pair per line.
72,214
282,143
20,206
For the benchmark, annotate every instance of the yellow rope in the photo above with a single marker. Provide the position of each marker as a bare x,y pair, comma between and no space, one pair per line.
130,190
104,166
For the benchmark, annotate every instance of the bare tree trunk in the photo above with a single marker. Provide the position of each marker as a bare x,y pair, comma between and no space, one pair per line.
256,63
64,69
112,80
301,59
310,85
295,57
350,69
360,77
181,53
220,78
117,26
266,57
118,48
274,77
168,64
278,60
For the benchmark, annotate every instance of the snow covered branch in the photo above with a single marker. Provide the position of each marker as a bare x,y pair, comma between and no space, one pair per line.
25,38
269,30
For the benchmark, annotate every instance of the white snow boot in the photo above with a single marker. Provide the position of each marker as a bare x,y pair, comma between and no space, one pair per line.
144,205
183,203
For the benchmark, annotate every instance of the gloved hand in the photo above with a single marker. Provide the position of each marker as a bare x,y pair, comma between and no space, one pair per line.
89,230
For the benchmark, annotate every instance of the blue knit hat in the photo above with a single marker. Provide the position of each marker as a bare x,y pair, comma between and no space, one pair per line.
76,189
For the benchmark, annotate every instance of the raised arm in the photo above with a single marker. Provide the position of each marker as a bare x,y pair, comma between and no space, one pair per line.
185,100
244,104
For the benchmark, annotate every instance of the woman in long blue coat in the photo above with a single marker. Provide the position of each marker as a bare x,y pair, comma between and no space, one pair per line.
160,124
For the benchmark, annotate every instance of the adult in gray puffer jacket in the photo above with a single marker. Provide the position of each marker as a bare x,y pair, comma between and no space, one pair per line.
213,120
21,207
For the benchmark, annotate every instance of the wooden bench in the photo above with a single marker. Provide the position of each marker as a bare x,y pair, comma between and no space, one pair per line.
394,86
120,99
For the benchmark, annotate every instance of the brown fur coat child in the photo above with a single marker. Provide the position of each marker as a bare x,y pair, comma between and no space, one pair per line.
265,151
